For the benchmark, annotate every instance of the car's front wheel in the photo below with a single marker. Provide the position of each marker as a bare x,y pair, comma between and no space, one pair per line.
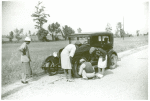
113,60
75,70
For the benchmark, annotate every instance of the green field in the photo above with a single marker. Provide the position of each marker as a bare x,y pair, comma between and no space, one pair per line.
40,50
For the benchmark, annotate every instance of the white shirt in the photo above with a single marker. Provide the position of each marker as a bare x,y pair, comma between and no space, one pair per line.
24,58
71,48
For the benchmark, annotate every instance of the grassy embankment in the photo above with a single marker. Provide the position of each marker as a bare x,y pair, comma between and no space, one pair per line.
11,65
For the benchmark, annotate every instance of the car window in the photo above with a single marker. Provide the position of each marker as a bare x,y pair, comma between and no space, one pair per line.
99,38
104,39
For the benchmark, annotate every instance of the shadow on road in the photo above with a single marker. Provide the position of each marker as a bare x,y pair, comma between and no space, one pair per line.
42,74
12,91
35,77
38,76
108,72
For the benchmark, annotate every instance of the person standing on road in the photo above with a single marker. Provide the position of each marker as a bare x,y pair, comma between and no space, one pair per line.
102,63
86,70
66,58
25,59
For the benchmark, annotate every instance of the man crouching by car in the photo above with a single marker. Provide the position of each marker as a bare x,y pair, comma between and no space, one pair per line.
86,70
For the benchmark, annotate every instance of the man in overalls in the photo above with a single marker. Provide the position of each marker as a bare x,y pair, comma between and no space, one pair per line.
25,59
86,70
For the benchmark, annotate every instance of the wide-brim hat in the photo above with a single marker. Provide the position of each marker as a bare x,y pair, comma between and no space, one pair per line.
27,39
55,54
78,43
82,60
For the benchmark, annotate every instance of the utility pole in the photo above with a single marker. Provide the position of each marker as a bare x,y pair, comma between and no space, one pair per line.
123,28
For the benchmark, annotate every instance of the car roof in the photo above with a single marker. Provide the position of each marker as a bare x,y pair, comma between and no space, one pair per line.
88,34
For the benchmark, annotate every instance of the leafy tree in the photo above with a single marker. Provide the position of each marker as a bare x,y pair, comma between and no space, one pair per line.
26,34
29,33
18,32
51,28
54,28
33,34
42,33
108,28
119,29
119,25
116,33
11,36
79,30
40,18
122,32
67,31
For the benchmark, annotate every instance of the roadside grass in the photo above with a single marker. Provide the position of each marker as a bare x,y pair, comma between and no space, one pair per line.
11,64
34,39
129,43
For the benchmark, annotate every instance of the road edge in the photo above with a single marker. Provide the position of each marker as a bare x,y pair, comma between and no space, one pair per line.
128,52
120,55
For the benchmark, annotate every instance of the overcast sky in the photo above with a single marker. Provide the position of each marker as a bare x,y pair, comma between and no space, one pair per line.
89,15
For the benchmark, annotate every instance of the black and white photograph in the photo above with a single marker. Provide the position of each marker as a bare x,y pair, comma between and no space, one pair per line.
74,49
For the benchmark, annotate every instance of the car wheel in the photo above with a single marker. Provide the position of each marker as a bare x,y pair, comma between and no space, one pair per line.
75,70
113,60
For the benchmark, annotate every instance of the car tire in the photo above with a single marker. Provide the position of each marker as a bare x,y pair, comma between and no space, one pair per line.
113,60
75,70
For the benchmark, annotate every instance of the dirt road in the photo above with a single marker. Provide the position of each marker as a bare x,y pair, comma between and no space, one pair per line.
129,81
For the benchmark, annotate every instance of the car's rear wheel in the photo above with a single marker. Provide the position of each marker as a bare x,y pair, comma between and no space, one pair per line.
113,60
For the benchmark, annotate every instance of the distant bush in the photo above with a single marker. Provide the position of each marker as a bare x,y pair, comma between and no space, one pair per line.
42,33
18,32
11,36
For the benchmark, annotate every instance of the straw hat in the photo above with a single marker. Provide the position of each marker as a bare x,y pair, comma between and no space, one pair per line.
82,60
27,39
55,54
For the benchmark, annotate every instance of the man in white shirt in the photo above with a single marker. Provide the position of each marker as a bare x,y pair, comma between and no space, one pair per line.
66,58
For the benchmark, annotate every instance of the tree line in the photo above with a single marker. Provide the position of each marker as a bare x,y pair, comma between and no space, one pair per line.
119,32
16,33
40,18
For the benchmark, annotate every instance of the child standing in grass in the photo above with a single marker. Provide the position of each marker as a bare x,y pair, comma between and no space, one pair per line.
25,59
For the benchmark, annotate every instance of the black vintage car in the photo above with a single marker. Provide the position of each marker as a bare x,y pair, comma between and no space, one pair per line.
98,40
